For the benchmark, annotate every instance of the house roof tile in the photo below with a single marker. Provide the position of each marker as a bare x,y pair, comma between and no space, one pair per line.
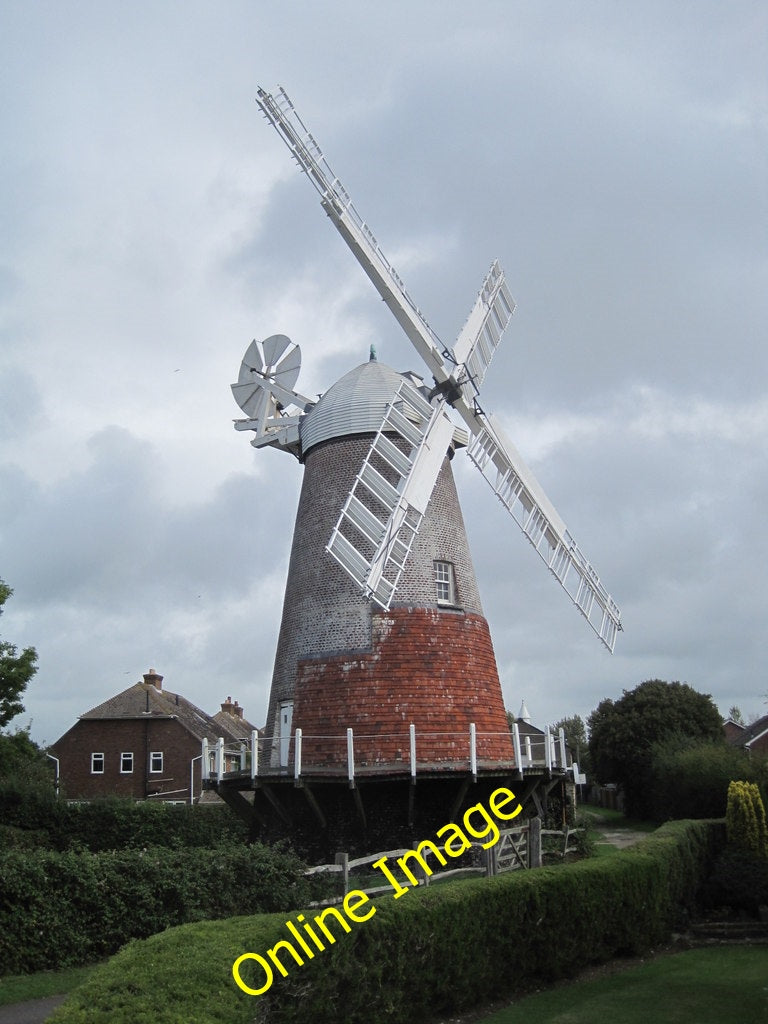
145,700
753,732
238,726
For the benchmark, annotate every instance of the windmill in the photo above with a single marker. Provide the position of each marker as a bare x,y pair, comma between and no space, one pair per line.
376,498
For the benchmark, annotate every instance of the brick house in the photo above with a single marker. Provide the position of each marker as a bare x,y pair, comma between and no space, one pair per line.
752,738
733,731
143,743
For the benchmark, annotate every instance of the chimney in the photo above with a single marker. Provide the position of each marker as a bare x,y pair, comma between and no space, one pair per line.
232,709
151,678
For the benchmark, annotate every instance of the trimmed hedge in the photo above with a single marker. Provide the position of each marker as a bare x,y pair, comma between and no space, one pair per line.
739,882
32,818
435,951
65,909
691,779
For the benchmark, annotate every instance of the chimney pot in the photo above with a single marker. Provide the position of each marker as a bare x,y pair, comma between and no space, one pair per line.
152,678
232,709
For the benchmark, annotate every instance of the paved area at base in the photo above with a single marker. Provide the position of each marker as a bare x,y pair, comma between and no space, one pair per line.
621,838
34,1012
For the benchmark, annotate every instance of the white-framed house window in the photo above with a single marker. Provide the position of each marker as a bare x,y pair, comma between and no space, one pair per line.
156,761
445,583
126,763
97,764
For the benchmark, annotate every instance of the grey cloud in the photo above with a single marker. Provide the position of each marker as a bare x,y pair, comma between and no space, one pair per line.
611,156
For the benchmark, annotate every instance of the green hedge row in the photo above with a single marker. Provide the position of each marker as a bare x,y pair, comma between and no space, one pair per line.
32,818
434,951
64,909
691,780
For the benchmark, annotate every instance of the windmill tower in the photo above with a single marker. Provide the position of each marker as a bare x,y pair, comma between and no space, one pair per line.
383,633
344,662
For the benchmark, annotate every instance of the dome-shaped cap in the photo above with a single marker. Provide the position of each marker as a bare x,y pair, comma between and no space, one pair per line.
353,405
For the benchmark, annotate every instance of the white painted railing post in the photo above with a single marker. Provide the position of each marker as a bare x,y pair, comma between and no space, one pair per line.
205,762
220,758
297,754
242,757
254,753
563,755
548,749
412,738
350,756
473,748
516,745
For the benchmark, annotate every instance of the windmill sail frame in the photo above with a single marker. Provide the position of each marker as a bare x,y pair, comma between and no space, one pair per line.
458,374
382,514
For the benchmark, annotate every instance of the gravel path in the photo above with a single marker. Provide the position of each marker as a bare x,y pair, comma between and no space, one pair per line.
34,1012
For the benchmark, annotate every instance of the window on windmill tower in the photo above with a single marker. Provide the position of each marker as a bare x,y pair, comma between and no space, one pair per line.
445,584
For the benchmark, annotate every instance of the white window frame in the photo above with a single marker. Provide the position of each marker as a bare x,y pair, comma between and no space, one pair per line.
126,771
445,583
94,769
155,754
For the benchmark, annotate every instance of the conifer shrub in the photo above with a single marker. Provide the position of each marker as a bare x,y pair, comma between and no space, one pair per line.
745,820
739,879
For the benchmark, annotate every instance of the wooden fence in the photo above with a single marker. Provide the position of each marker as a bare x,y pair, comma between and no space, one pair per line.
516,849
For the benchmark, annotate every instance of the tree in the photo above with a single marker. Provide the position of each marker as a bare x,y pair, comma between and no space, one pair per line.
623,733
735,715
22,764
576,738
15,670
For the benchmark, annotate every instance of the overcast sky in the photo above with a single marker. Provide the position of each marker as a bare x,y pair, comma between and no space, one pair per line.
612,155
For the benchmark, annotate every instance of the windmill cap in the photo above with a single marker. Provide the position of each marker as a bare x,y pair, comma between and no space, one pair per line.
353,405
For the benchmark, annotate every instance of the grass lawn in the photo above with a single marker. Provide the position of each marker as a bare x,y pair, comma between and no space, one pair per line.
21,987
720,985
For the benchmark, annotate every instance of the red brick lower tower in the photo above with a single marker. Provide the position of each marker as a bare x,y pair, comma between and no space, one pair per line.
432,668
